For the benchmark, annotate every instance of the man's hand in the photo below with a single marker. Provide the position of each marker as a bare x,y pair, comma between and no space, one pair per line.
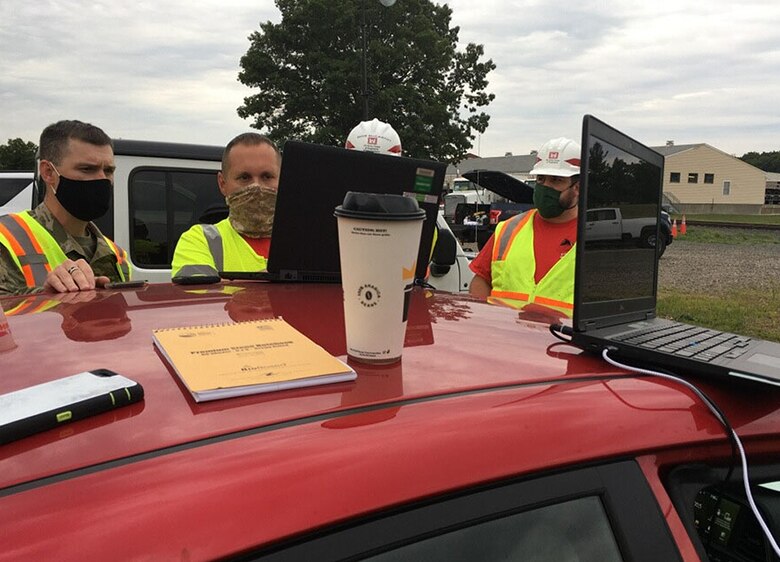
479,287
71,276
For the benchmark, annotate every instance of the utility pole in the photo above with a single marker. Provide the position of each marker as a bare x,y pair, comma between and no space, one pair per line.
364,40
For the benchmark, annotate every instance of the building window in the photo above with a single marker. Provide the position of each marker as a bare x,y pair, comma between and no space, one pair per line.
709,178
674,177
726,187
693,178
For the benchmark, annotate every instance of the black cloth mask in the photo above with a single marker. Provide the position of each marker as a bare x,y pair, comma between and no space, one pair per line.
86,200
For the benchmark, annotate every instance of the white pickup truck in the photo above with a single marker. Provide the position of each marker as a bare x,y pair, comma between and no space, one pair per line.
608,223
161,189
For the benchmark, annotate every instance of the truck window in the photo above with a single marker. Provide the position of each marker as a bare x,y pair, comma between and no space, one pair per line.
463,185
11,187
163,204
601,215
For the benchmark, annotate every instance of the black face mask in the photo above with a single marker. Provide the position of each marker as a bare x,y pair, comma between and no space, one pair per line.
86,200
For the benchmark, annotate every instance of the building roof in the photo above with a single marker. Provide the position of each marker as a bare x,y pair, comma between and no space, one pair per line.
508,164
669,149
522,164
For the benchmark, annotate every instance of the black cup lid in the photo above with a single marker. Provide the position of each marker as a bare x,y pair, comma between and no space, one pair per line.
379,206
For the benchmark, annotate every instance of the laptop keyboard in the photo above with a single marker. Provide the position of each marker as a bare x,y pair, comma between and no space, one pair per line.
685,340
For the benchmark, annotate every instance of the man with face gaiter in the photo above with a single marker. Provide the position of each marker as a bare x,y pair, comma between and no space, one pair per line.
529,260
249,179
56,247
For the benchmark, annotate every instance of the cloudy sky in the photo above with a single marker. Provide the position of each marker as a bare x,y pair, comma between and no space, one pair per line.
682,70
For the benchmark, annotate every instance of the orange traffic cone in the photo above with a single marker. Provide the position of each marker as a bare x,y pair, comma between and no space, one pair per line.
674,228
683,228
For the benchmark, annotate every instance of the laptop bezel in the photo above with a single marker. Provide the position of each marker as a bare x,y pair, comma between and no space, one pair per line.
591,315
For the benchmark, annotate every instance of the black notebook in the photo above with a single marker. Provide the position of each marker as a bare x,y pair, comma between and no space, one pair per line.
616,277
314,180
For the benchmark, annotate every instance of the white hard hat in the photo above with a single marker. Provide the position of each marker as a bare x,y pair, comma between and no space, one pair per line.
374,136
558,157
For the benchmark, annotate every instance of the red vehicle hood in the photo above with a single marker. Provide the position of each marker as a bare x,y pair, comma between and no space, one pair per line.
453,344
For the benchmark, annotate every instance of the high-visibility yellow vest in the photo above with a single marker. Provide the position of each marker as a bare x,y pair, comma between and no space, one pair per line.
36,252
513,267
207,249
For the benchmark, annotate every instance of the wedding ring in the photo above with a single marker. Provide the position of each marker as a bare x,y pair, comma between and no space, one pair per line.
72,268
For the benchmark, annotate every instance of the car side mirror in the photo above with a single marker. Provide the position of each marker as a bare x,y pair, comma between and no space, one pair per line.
444,253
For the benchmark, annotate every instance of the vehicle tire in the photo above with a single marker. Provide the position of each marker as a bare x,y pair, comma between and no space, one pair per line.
648,238
661,246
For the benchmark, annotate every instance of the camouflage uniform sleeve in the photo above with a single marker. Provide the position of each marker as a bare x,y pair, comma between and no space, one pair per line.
104,261
11,278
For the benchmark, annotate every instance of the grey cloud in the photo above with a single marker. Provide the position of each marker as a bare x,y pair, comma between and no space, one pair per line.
695,72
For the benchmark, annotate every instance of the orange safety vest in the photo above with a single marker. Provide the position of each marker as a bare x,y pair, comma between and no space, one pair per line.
36,252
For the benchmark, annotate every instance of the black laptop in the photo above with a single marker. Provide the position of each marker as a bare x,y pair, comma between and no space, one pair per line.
616,274
314,180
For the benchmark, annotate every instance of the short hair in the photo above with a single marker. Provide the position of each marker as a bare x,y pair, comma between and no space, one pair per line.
55,137
248,139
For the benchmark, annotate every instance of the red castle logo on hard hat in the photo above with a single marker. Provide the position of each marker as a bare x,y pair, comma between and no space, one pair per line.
372,139
552,156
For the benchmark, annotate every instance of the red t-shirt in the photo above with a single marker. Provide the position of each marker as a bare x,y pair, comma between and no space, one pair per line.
261,246
551,242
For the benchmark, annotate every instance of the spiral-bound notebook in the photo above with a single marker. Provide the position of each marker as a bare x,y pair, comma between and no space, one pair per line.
236,359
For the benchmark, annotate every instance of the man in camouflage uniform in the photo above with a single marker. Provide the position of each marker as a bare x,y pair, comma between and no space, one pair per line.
56,247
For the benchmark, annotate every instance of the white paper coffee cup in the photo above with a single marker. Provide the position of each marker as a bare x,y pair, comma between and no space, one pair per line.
379,239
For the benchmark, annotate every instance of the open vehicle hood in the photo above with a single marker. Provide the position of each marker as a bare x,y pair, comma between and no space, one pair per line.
502,184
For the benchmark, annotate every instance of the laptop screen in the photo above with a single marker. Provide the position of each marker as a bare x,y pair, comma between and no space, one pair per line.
314,180
620,202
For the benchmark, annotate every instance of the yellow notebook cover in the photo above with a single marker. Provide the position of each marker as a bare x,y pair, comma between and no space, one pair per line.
225,360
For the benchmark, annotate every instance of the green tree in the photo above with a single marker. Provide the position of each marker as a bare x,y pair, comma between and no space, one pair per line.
766,161
18,155
308,74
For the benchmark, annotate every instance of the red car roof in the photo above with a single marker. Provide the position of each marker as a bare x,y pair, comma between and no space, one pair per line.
479,395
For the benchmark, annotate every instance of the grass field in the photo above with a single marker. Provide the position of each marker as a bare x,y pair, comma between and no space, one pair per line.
746,310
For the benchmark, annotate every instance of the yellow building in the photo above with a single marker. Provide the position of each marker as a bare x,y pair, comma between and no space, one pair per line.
699,178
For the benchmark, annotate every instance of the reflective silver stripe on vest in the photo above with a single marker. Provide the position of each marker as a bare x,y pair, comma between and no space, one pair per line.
506,233
196,271
214,239
31,257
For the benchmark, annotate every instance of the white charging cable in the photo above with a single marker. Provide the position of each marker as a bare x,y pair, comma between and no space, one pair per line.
708,402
